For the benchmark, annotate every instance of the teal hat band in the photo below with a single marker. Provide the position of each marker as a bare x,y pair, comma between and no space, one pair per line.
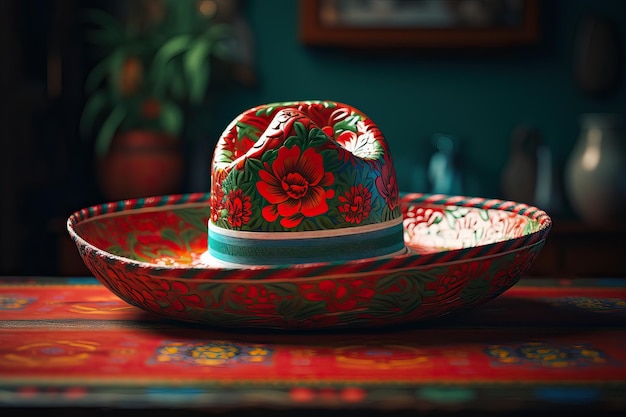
251,248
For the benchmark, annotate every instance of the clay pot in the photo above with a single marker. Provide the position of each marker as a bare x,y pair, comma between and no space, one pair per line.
141,164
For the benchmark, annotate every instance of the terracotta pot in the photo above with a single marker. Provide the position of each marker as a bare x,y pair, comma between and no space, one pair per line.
141,164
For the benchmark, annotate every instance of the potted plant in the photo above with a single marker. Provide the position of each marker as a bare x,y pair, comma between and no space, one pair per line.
156,65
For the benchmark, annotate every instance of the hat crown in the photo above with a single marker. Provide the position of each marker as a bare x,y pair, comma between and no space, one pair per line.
316,167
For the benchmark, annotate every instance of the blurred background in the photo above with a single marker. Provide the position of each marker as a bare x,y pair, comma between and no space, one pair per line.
486,120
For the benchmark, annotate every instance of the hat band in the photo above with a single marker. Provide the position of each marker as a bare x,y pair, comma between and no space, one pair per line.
285,248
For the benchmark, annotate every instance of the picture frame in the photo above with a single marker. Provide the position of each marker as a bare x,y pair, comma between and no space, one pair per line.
415,24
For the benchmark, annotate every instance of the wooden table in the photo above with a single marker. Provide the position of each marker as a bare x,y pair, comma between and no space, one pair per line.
546,345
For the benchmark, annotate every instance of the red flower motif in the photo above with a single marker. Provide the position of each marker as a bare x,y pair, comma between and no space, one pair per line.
450,286
325,117
473,270
424,216
254,298
294,186
356,204
239,208
109,232
180,296
153,294
218,194
506,225
153,246
505,278
139,289
339,295
233,146
152,221
387,184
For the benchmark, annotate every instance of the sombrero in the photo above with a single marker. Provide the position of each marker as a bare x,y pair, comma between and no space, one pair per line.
304,227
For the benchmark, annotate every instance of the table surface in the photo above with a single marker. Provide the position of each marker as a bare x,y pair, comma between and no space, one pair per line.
545,344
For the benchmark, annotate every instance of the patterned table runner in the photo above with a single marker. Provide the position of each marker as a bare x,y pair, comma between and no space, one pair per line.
544,343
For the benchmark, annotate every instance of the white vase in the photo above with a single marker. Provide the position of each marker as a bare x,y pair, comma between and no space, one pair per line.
595,176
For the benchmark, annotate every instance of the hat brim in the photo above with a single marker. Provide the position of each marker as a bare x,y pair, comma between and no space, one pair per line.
460,252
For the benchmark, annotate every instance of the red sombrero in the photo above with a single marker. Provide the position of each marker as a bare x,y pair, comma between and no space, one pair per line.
304,228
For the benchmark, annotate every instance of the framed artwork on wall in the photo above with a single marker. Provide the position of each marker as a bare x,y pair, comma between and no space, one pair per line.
418,23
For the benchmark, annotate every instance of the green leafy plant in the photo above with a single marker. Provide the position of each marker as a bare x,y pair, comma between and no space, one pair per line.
157,59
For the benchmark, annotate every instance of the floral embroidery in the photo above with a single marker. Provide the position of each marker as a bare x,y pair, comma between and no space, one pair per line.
236,145
294,185
598,305
356,204
387,184
451,286
477,274
239,208
503,279
325,117
152,223
421,227
141,291
505,225
255,298
211,353
297,163
14,302
51,353
181,296
339,295
548,355
217,194
364,145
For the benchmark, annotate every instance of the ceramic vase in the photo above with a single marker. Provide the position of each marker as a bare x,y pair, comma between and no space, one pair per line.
595,176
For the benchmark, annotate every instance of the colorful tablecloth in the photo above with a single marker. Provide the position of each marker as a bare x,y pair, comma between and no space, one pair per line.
69,342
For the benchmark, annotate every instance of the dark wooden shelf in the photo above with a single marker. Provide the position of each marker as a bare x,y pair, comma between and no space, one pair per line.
578,249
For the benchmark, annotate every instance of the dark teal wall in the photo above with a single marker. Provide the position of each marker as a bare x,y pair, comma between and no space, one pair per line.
411,95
